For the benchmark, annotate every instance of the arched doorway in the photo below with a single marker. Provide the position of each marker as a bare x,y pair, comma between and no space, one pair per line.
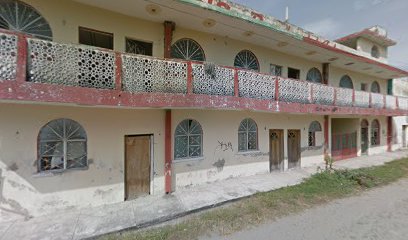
364,137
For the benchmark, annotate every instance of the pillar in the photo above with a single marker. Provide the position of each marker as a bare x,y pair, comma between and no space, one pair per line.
167,152
326,73
168,37
326,135
389,133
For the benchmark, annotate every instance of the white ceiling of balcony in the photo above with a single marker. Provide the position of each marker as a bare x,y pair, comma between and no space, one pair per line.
191,17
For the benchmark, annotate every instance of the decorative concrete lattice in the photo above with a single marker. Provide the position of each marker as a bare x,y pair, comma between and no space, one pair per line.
293,91
362,99
391,102
255,85
323,94
213,80
8,56
70,65
377,100
145,74
403,103
344,97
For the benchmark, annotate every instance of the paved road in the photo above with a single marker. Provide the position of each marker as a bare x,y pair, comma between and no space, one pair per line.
378,214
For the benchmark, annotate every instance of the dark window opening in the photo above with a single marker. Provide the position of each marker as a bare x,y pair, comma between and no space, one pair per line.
363,87
95,38
293,73
276,70
139,47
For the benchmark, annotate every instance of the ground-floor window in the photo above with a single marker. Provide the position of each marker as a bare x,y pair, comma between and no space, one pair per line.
248,135
62,145
188,142
313,128
375,133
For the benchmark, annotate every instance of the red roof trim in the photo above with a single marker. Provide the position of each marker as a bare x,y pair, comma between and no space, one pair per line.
357,57
388,41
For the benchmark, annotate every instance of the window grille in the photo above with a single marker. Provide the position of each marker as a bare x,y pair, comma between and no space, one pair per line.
247,135
62,145
188,140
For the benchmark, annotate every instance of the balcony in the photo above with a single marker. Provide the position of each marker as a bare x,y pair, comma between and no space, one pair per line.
34,70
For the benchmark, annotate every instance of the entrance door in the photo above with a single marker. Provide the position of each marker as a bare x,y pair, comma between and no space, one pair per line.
276,150
137,166
364,140
293,148
404,136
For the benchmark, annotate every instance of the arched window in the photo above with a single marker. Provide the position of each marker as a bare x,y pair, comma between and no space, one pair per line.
21,17
346,82
375,52
375,133
313,128
188,140
187,49
62,145
247,135
246,60
364,124
314,75
375,87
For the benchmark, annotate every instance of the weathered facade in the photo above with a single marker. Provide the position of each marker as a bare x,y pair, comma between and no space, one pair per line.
105,102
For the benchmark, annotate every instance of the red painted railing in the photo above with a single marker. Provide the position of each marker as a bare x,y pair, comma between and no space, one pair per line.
86,75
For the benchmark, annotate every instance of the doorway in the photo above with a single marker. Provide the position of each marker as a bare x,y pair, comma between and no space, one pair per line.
404,136
293,148
364,137
276,150
137,166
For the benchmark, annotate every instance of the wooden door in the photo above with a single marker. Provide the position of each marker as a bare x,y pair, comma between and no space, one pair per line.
137,166
293,148
276,150
364,140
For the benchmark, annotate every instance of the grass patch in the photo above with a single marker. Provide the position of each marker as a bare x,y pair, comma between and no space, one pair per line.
320,188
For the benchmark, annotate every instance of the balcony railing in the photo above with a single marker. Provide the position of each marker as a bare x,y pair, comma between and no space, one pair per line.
84,66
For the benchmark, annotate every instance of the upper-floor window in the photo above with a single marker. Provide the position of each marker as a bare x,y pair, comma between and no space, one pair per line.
314,75
247,135
95,38
364,87
375,52
375,133
188,142
139,47
276,70
187,49
346,82
246,60
21,17
62,145
375,87
313,128
293,73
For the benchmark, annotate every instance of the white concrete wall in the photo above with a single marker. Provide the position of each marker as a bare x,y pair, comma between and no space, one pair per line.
366,45
29,193
222,126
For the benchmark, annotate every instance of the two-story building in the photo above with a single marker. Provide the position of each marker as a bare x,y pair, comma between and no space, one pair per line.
105,101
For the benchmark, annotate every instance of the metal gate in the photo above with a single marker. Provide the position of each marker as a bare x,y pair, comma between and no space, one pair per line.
344,146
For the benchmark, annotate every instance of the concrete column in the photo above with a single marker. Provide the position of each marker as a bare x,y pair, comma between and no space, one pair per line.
389,133
326,73
326,132
167,152
169,27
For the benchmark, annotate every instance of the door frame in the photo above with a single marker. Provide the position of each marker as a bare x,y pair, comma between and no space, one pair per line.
152,167
282,162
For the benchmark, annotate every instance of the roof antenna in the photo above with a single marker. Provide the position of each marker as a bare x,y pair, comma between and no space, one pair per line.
287,14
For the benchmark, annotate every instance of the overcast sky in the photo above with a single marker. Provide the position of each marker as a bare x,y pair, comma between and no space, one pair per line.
336,18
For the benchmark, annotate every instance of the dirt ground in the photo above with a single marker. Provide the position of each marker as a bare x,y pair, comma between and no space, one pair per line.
378,214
